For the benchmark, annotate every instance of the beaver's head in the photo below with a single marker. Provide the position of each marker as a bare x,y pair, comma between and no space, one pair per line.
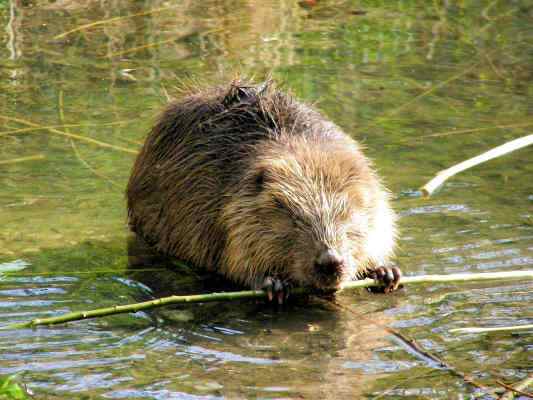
310,212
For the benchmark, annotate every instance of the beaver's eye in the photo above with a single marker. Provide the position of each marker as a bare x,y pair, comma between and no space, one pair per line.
260,180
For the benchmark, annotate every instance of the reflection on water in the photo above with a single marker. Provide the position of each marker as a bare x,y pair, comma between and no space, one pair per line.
421,85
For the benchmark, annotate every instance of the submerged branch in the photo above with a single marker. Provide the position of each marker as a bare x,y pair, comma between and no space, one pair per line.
75,148
518,387
154,44
256,294
424,354
138,48
415,349
443,175
69,135
112,20
475,130
22,159
38,128
425,93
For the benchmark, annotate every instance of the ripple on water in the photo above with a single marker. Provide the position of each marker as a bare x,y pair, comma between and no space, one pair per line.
198,352
376,366
161,394
40,279
28,292
60,364
13,305
436,209
79,383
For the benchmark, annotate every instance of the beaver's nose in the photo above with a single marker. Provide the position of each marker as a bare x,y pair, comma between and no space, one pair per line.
329,262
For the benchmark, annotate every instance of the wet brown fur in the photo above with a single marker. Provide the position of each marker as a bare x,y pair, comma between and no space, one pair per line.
247,181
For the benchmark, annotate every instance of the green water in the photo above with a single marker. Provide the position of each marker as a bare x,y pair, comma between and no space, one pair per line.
390,73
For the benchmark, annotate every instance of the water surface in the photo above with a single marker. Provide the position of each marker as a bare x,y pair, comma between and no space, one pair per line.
423,85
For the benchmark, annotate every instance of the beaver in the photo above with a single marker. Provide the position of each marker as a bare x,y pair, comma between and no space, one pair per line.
247,181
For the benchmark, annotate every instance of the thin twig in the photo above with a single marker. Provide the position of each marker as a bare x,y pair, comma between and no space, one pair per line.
518,388
154,44
485,12
138,48
492,21
75,148
505,148
112,20
359,315
410,378
512,328
413,345
423,354
510,390
496,70
69,135
136,142
88,166
25,130
22,159
423,94
257,294
473,130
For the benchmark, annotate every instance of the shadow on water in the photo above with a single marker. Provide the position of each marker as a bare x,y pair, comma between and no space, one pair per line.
196,343
238,348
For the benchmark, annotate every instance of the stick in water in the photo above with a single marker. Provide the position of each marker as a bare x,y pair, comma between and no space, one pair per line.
22,159
257,294
443,175
518,387
493,329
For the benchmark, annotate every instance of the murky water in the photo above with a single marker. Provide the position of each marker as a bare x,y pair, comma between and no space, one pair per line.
423,84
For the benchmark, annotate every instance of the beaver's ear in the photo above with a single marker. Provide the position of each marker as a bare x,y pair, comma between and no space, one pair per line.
240,93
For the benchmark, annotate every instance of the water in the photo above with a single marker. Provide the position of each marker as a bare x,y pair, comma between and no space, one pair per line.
423,85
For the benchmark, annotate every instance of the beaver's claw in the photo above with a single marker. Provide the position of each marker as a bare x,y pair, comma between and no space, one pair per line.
276,289
388,277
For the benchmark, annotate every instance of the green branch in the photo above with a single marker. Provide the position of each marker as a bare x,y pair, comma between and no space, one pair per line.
257,294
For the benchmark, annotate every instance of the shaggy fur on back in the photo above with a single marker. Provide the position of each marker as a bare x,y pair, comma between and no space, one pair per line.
245,180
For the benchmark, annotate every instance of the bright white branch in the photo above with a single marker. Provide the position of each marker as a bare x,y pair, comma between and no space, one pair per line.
443,175
495,329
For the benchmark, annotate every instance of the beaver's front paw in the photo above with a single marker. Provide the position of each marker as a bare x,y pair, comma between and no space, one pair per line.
277,289
388,277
